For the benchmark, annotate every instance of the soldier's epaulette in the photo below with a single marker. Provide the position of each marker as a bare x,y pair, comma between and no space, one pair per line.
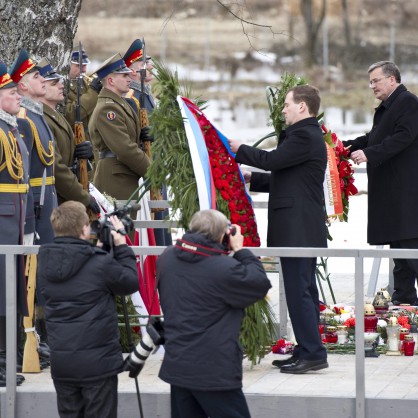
109,101
22,113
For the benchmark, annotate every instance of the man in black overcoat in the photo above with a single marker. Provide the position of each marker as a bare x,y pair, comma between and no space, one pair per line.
391,152
296,216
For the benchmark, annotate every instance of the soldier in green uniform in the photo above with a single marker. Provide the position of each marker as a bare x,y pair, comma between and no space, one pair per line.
66,152
115,131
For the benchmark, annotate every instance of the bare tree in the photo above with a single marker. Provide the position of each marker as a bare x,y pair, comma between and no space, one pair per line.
312,28
45,28
346,22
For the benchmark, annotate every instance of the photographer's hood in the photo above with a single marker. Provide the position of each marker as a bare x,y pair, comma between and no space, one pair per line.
59,262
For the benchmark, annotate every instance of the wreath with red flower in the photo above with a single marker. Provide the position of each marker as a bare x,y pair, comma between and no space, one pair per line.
229,182
345,170
172,166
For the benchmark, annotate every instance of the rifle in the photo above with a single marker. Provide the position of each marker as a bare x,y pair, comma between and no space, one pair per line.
79,133
155,194
30,353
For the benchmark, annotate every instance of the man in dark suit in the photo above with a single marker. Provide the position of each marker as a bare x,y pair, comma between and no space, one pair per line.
391,152
296,216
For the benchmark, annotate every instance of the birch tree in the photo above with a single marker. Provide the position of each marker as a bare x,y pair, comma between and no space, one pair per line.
45,28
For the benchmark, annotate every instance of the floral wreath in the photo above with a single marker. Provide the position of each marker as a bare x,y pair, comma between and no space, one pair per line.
345,170
228,179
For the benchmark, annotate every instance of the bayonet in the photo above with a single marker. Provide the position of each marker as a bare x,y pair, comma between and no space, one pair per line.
79,83
38,208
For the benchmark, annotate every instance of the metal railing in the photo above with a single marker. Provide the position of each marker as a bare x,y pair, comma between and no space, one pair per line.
10,252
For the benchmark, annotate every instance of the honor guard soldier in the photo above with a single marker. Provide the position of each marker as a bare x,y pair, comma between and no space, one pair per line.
115,131
66,152
140,93
31,86
89,91
14,186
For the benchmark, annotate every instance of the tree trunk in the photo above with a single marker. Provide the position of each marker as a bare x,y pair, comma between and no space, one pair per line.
346,23
45,28
312,27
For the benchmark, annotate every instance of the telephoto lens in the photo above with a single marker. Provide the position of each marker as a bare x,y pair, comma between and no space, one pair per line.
135,361
154,337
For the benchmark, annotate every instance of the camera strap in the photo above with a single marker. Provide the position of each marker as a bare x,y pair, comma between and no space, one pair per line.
192,247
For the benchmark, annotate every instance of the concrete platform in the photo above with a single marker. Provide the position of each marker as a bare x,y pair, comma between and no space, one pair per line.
391,390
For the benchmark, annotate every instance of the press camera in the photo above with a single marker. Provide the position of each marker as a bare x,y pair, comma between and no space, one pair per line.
231,232
102,227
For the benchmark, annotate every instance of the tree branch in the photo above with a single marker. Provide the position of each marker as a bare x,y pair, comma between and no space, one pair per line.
244,21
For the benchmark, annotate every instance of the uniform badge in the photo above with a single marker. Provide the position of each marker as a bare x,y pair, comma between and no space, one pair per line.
111,115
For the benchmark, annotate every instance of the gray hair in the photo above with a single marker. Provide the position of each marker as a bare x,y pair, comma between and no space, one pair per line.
209,222
389,68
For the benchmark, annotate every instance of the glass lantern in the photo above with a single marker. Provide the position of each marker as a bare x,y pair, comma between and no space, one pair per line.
392,331
342,334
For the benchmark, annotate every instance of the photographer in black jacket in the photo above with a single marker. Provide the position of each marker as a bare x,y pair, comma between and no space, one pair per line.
203,293
79,283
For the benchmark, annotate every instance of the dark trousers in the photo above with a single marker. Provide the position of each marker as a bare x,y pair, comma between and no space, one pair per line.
303,304
189,403
98,398
405,274
162,236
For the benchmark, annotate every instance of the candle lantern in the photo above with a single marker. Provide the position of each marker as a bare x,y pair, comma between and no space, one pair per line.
414,332
342,334
392,331
370,318
380,303
402,333
331,335
408,345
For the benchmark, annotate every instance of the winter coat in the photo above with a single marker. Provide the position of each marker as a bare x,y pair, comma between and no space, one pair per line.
202,298
296,215
79,283
391,148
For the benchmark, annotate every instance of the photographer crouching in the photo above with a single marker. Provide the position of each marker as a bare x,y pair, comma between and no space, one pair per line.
79,282
203,293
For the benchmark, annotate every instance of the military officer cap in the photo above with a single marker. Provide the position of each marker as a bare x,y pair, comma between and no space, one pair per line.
47,71
75,56
134,52
114,64
6,81
22,65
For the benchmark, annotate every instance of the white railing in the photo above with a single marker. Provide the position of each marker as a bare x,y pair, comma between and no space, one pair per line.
8,407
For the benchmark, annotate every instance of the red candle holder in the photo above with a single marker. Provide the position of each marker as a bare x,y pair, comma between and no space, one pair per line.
408,345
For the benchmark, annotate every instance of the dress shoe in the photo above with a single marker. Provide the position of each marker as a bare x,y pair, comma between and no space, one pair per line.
303,366
280,363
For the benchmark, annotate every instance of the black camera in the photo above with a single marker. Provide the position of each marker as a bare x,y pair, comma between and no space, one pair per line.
154,338
231,230
102,227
